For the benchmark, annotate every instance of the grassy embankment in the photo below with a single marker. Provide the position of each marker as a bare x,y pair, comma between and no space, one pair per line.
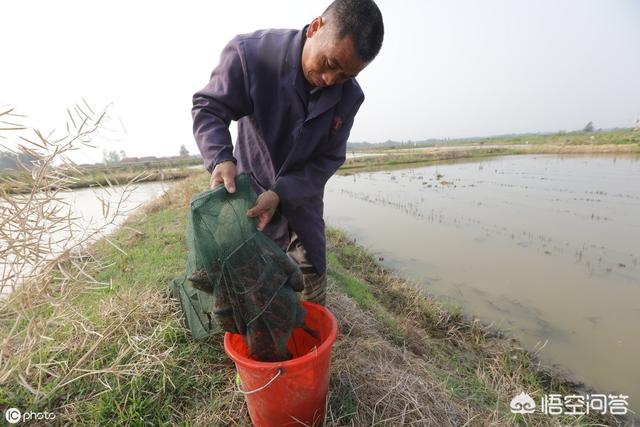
612,142
401,357
102,175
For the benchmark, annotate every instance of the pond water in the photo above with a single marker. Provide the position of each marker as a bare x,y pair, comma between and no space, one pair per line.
85,202
546,247
91,219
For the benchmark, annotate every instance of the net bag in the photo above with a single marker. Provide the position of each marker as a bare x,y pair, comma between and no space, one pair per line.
237,279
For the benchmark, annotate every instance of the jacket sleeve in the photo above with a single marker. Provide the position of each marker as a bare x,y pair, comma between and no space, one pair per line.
308,181
225,98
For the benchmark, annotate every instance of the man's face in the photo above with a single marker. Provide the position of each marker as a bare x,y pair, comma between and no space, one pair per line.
327,61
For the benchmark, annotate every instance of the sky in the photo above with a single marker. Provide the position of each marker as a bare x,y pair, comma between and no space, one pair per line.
447,69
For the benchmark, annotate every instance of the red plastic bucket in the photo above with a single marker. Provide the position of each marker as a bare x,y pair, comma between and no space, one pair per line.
293,392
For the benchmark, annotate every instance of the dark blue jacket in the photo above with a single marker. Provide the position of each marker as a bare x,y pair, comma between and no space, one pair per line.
290,146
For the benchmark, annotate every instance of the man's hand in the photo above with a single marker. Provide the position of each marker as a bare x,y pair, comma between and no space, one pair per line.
264,209
224,173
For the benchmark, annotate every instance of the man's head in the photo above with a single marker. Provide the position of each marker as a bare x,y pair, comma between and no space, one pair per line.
342,41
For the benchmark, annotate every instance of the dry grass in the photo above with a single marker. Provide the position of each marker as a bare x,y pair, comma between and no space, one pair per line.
375,382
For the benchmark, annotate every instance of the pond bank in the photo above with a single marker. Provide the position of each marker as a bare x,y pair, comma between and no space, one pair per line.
119,354
12,183
424,156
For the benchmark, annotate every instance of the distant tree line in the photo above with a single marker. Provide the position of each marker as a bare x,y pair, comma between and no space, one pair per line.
113,156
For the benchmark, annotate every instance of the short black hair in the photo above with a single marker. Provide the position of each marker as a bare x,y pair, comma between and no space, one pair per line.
362,21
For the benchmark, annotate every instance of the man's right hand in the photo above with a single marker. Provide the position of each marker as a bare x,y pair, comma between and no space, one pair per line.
224,173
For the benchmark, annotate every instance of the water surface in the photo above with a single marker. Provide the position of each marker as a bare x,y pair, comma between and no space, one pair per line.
94,212
547,247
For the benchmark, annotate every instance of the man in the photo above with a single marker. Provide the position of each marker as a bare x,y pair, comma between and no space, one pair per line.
295,96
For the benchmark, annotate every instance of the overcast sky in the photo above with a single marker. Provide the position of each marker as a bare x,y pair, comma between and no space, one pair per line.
446,69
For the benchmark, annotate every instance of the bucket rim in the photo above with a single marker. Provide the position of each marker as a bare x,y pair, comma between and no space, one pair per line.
326,345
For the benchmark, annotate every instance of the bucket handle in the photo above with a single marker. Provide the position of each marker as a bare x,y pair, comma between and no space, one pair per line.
239,390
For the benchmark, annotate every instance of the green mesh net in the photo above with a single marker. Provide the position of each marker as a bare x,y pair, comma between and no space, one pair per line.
238,280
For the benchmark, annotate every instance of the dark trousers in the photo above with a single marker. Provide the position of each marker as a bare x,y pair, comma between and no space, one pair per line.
315,285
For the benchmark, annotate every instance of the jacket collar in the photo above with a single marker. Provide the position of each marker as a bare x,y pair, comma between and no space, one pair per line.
329,96
294,51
